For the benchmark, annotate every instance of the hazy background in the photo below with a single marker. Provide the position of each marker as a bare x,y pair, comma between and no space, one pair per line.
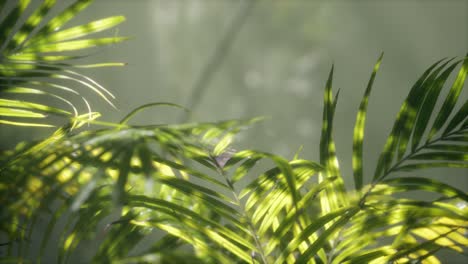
276,67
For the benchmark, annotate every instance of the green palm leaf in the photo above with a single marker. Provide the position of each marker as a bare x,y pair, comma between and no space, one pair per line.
413,121
358,138
36,49
388,153
333,197
183,184
450,100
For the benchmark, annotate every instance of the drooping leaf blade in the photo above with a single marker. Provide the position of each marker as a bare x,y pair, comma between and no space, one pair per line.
324,237
9,103
312,228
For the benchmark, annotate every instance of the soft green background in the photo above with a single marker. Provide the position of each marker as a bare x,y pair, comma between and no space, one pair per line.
277,66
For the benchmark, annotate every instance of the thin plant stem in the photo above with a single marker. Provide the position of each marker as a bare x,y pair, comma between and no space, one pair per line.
221,51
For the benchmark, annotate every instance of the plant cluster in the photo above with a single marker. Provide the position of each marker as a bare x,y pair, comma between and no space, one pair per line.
160,193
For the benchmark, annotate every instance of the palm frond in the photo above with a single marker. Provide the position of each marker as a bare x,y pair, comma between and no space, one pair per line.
183,184
35,59
413,122
109,169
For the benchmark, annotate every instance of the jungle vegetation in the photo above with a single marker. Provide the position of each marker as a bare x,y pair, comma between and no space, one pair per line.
180,193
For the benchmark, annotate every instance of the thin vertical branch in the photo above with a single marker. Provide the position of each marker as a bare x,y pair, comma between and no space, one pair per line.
220,53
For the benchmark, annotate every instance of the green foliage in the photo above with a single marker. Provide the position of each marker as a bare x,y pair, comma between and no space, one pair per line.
36,61
178,193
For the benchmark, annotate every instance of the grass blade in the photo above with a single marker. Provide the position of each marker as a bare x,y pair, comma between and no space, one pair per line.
333,197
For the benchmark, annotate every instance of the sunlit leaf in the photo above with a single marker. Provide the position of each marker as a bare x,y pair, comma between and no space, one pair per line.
143,107
358,137
74,45
60,19
23,66
333,197
78,31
